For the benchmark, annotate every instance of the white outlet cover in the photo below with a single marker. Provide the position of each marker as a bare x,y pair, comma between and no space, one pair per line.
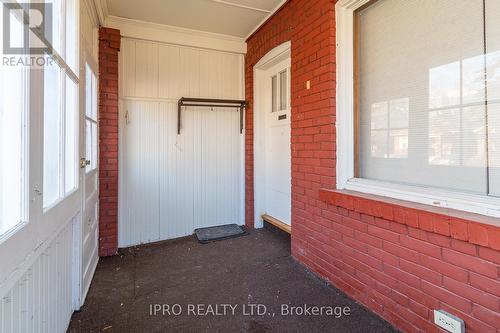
448,321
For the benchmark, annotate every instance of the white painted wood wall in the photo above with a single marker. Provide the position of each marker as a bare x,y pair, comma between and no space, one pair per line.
171,184
41,300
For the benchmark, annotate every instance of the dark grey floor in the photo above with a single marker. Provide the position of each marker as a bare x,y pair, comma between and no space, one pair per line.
255,269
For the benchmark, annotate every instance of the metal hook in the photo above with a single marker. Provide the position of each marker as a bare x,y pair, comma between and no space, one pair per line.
127,119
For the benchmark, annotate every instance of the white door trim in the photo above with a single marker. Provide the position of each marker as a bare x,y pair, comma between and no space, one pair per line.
277,54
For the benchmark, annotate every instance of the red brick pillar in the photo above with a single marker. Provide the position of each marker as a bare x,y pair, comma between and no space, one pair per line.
109,46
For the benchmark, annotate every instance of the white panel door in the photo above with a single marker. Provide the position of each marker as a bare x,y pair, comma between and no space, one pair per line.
89,174
277,143
171,184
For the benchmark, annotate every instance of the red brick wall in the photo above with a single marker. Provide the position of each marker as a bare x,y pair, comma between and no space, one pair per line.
310,27
109,46
399,259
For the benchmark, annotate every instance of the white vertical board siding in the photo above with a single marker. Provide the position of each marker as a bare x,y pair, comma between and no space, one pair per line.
41,300
146,69
171,184
140,170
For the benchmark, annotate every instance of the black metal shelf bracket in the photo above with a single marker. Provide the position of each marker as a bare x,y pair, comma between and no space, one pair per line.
212,103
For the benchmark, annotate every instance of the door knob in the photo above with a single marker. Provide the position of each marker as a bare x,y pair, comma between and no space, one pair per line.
84,162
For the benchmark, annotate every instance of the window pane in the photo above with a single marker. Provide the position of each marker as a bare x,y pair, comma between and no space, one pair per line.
16,28
54,7
88,91
91,138
274,92
71,143
88,143
52,133
12,95
283,90
94,97
93,159
422,112
493,74
71,44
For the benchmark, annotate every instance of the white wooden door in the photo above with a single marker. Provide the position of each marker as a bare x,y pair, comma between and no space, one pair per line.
277,143
89,174
171,184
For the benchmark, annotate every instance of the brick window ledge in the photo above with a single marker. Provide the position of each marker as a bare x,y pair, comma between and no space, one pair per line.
473,228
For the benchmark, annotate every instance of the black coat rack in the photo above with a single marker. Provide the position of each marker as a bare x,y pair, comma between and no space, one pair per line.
210,102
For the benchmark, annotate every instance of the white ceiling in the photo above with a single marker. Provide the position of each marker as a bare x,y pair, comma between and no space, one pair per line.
230,17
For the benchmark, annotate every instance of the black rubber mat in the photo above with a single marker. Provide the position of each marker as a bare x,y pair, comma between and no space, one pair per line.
220,232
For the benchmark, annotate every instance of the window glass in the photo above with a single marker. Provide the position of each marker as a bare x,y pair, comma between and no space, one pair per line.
88,91
274,93
53,8
88,142
91,124
51,134
93,158
283,90
71,38
424,109
94,97
71,131
492,10
13,80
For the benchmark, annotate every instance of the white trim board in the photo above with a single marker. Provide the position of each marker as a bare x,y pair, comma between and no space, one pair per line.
344,11
101,9
175,35
237,5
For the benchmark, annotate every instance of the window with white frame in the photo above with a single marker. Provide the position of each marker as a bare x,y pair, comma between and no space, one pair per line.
13,134
91,118
419,109
60,154
280,94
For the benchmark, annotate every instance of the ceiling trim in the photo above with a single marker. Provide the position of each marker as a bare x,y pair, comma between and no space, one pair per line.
92,11
176,35
232,4
265,19
102,10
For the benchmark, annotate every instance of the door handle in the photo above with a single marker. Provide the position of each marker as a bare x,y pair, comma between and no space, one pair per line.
127,118
84,162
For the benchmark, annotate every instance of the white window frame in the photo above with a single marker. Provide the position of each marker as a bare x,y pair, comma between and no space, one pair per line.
344,11
66,73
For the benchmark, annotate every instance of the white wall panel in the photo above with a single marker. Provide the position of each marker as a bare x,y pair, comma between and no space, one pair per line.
189,81
127,65
140,172
41,300
169,71
146,69
171,184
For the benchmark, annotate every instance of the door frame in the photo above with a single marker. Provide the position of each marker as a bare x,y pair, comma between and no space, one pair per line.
276,55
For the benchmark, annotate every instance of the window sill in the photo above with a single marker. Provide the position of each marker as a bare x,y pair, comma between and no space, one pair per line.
470,227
